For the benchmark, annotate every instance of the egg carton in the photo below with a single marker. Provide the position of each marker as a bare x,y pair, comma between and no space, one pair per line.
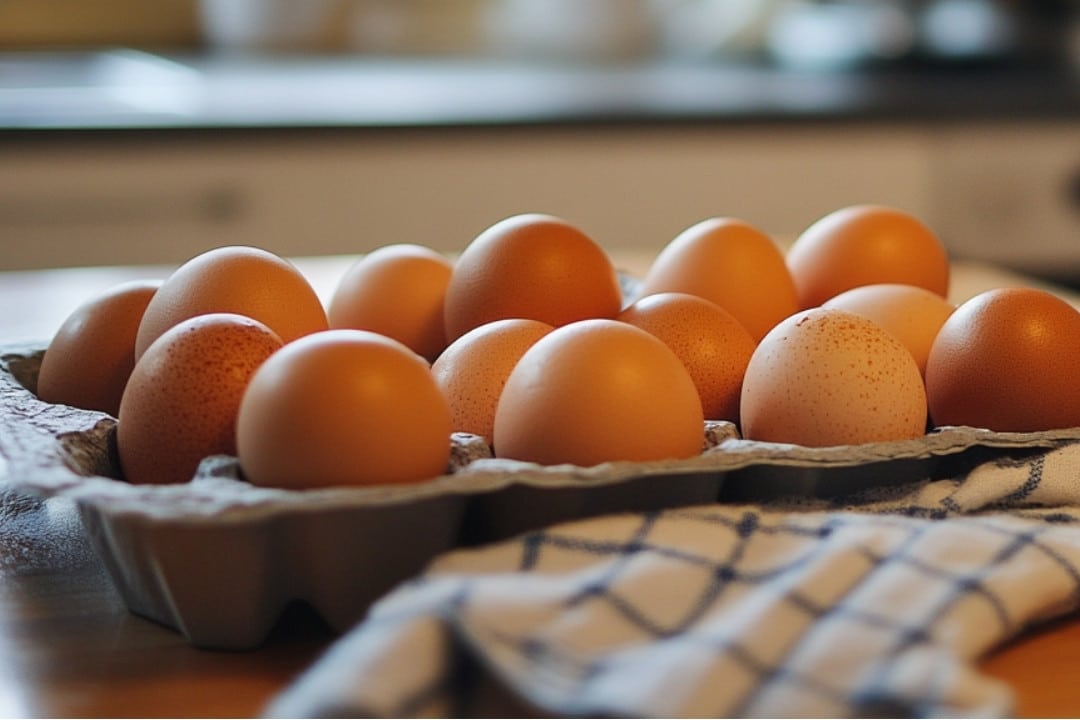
220,560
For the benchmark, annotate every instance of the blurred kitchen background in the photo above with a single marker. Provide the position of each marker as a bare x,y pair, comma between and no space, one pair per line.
137,132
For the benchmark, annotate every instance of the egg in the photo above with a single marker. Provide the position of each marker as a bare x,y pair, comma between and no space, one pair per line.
181,401
866,245
913,314
397,291
89,359
731,263
595,391
714,347
343,407
531,266
472,371
826,377
235,279
1007,360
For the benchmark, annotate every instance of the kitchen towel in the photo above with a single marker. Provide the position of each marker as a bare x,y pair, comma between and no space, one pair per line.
875,604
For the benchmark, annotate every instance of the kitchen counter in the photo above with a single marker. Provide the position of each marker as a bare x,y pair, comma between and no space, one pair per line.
128,89
68,647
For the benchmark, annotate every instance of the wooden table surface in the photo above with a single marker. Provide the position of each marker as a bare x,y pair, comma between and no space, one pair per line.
69,647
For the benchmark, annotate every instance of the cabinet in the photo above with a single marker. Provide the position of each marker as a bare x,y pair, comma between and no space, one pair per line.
1000,191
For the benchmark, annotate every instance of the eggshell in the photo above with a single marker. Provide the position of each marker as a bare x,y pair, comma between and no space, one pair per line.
397,291
731,263
712,344
866,245
471,372
181,402
247,281
343,407
531,266
596,391
91,356
826,377
913,314
1007,360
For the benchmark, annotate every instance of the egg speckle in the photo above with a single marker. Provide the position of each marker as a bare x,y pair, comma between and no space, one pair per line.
913,314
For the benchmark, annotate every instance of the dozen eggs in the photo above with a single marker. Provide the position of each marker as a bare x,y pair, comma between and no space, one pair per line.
527,339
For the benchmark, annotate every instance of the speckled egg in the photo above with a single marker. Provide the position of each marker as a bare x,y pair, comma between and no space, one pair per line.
826,377
471,372
713,345
183,396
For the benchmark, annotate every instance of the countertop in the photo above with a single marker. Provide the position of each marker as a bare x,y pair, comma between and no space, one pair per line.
69,647
129,89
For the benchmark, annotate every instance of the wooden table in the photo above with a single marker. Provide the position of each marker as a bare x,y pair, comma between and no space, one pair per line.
69,648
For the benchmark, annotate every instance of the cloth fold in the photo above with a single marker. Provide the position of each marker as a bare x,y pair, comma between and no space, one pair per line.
875,604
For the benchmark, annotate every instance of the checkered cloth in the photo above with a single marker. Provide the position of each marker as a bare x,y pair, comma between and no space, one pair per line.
870,605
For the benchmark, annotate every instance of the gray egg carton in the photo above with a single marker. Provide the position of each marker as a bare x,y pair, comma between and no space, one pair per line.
219,559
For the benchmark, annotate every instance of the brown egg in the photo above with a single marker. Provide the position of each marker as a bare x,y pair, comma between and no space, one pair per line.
181,402
913,314
531,266
235,279
1007,360
397,291
731,263
826,377
89,360
343,407
595,391
712,344
471,372
866,245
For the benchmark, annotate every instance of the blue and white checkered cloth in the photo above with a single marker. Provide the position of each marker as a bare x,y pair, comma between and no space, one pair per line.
871,605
